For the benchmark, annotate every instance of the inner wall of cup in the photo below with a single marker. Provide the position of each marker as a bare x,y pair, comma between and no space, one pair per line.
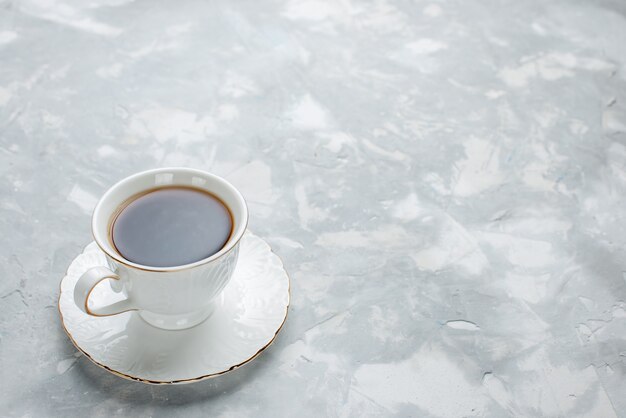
118,196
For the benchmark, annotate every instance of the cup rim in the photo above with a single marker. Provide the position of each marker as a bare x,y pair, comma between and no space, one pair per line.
230,244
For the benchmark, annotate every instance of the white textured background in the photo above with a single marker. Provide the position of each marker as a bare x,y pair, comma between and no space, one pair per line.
445,181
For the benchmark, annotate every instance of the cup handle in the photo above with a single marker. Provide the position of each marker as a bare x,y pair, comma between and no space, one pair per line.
84,287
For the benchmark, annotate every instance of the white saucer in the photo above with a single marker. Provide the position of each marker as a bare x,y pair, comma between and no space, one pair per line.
249,315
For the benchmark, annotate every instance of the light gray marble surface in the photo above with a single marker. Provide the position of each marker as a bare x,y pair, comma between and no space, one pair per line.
444,180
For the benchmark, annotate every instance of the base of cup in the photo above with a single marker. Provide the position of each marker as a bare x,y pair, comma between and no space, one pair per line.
178,322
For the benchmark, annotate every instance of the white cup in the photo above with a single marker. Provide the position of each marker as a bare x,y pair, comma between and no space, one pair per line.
166,297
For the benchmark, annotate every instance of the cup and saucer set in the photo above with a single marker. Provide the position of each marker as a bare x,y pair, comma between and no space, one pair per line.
174,324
